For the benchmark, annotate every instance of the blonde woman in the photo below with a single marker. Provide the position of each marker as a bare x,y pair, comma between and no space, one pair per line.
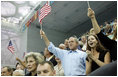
32,60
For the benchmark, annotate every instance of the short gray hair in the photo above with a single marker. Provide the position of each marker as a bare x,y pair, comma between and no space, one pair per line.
76,39
21,72
37,56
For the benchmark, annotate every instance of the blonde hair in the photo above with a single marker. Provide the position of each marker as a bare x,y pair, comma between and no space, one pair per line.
37,56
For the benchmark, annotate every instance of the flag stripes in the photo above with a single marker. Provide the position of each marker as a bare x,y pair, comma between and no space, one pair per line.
44,12
10,47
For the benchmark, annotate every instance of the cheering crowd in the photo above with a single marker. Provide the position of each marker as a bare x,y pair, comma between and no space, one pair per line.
94,53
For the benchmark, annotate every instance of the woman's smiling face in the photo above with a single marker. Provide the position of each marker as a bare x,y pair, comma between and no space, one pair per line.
92,42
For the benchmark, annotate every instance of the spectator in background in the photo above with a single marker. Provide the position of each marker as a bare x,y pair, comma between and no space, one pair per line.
62,46
108,29
115,21
18,73
73,61
13,69
66,44
49,57
6,71
19,66
80,44
115,34
58,68
106,23
32,60
102,29
98,56
101,26
92,31
83,39
45,68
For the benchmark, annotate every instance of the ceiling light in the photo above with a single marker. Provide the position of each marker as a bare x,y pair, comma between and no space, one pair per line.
24,10
20,18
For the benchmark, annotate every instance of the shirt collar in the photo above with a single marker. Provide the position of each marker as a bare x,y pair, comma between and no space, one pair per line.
74,51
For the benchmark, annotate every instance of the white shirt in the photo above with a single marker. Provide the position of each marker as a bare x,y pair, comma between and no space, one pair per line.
48,59
59,71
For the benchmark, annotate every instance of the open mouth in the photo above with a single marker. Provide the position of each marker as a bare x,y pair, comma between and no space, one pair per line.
91,43
29,68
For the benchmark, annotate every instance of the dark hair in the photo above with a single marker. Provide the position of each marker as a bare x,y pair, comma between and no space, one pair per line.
13,69
49,51
17,64
48,62
99,47
9,69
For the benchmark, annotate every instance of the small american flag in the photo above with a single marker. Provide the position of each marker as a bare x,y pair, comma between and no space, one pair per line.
10,47
44,12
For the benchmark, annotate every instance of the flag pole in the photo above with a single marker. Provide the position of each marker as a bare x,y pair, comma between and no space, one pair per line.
41,28
88,4
48,2
15,54
16,48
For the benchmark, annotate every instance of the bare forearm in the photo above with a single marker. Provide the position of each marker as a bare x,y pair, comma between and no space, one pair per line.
88,68
100,63
47,42
88,71
22,63
95,25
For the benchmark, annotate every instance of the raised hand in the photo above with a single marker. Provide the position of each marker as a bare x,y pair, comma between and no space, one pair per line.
47,42
42,33
18,59
91,13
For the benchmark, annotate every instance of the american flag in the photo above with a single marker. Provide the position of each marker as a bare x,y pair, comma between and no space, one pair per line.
44,12
10,47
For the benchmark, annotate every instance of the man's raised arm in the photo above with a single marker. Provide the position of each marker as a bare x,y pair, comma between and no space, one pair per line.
95,25
55,50
47,42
